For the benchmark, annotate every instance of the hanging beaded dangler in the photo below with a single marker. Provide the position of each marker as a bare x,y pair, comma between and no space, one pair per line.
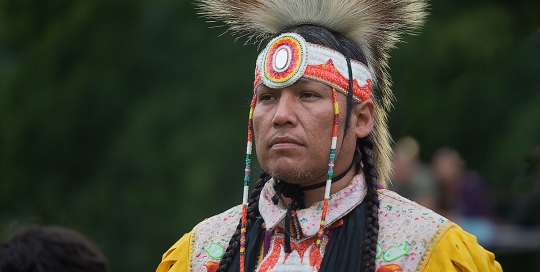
330,167
246,185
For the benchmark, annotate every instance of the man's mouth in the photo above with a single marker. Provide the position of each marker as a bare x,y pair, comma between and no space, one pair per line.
284,141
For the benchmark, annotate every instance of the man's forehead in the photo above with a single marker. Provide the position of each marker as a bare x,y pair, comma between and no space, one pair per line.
301,82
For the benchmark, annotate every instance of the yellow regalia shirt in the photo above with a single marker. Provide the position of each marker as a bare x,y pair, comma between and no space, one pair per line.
176,259
458,250
411,238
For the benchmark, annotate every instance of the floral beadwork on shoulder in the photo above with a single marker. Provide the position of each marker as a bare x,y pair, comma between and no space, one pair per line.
406,232
213,236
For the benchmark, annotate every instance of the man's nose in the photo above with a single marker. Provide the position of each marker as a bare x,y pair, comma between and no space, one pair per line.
285,113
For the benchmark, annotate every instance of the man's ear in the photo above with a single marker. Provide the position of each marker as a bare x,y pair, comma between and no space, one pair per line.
364,118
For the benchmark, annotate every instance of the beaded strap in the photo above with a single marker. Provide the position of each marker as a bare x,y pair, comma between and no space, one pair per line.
246,185
330,167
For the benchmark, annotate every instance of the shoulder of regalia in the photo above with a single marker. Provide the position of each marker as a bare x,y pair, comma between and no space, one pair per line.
211,237
407,231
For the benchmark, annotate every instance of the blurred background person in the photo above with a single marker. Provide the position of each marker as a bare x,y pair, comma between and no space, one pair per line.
412,178
462,196
51,249
461,191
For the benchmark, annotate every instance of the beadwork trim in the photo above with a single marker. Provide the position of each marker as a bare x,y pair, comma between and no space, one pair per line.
193,246
289,57
432,242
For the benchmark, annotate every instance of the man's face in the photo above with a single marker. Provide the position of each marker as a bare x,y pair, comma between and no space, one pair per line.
293,132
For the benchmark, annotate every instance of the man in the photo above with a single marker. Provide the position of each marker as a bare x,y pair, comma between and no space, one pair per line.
318,115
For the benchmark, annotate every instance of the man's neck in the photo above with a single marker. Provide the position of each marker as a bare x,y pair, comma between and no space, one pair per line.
316,195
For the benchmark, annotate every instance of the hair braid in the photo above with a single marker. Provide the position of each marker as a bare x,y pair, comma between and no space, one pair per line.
372,204
252,213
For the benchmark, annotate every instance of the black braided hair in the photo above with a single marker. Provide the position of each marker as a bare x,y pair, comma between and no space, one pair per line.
252,214
365,146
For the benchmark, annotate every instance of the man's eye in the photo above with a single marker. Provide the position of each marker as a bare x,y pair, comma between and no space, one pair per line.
266,97
309,95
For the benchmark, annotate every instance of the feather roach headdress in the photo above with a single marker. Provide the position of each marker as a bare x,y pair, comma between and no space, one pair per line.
375,25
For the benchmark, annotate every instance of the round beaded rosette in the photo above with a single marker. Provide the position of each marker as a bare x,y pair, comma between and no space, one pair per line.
284,60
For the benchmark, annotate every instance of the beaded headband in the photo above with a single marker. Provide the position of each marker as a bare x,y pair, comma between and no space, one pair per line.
288,57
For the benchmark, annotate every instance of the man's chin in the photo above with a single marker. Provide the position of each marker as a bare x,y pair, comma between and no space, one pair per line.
294,176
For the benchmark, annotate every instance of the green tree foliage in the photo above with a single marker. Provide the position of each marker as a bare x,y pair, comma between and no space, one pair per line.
477,89
126,120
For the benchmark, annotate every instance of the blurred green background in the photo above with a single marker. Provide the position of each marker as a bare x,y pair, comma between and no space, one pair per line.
126,120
